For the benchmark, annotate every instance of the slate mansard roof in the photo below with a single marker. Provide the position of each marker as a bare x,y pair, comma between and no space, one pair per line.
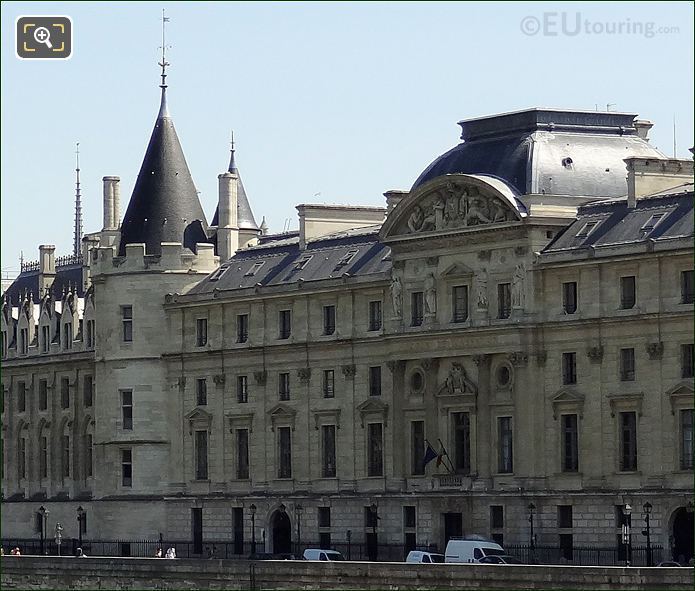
547,151
281,261
657,218
27,282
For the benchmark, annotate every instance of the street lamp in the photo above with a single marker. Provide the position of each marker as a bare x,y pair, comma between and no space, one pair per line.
532,540
647,532
80,520
349,537
252,508
59,536
298,509
44,518
627,533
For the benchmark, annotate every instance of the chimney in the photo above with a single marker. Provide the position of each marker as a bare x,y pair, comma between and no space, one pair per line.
112,196
393,198
646,176
227,228
47,267
643,126
320,220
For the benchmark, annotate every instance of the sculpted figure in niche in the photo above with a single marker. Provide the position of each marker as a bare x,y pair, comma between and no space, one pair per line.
458,381
430,295
397,296
518,286
481,289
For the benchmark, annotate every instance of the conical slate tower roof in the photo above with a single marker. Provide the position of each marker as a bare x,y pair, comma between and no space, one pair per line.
164,206
245,219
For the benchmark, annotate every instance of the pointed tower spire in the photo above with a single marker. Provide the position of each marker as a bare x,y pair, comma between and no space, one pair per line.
232,164
164,205
77,239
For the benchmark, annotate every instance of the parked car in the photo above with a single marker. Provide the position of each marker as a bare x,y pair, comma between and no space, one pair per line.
471,550
420,557
668,563
319,554
271,556
500,559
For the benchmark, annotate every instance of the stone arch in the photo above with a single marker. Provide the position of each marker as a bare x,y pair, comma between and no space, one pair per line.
280,532
680,530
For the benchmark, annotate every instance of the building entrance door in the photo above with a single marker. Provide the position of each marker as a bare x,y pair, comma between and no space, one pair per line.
453,526
282,533
682,535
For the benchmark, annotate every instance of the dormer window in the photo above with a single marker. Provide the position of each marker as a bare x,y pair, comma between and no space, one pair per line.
651,223
90,334
346,259
23,341
45,339
254,269
588,228
217,274
302,262
67,336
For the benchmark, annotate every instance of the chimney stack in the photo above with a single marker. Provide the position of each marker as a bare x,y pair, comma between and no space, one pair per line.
47,267
227,228
112,206
393,198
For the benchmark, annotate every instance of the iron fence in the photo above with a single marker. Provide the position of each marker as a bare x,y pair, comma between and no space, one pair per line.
540,554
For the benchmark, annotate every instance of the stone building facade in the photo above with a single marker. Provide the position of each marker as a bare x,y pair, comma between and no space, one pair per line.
523,310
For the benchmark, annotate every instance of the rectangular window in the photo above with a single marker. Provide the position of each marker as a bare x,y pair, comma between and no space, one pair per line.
127,409
416,308
686,446
201,392
201,332
628,441
570,444
375,450
242,454
285,324
627,365
375,315
238,528
370,517
90,334
505,454
284,386
126,467
23,341
417,447
328,469
459,299
45,339
242,328
89,456
627,292
65,392
569,297
564,516
409,517
127,322
375,380
43,394
687,360
67,336
504,300
462,442
43,457
569,368
242,389
328,320
22,458
324,517
284,452
65,455
496,517
325,540
328,383
566,547
21,397
687,287
201,455
88,391
3,338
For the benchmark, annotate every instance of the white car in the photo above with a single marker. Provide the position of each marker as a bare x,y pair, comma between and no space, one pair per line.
318,554
420,557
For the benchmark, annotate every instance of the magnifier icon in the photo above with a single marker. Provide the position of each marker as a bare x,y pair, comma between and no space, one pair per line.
42,35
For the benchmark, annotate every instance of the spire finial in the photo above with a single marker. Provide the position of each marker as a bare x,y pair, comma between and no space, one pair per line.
163,111
77,237
232,163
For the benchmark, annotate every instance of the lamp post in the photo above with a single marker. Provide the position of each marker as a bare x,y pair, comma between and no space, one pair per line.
627,533
532,540
252,508
298,509
44,517
59,536
80,521
349,537
647,532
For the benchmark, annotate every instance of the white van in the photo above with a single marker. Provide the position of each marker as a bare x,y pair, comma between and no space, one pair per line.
318,554
419,557
471,550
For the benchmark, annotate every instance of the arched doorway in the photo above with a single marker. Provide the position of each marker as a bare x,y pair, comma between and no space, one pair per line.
682,535
282,533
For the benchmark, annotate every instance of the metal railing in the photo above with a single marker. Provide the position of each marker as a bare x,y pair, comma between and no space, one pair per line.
584,555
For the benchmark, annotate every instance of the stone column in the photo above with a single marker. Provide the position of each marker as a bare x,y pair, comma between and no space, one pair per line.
484,461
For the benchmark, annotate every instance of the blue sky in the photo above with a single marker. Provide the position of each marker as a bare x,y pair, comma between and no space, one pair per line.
329,102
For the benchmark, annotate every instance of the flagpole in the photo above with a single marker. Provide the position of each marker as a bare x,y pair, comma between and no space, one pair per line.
450,467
